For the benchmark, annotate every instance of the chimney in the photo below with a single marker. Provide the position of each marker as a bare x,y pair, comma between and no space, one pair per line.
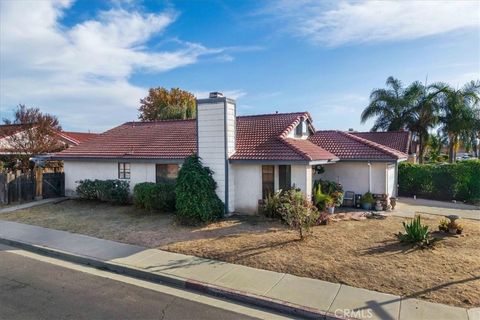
216,126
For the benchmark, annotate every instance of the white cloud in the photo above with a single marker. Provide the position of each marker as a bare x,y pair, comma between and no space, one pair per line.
81,73
337,23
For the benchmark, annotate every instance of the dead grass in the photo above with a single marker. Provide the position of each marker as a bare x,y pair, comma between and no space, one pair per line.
363,254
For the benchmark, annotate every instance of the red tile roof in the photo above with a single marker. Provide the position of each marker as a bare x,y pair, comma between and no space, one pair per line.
172,139
263,137
347,146
260,137
77,137
399,140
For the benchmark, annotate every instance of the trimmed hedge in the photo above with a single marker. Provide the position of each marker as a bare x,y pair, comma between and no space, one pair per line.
155,196
114,191
459,181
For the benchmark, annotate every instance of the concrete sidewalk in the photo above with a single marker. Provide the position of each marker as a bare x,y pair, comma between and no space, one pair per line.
409,207
30,204
282,292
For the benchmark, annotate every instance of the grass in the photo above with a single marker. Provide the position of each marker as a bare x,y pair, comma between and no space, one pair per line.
363,254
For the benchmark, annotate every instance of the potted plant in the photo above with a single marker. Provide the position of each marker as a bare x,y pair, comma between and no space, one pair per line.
443,225
454,228
366,201
330,204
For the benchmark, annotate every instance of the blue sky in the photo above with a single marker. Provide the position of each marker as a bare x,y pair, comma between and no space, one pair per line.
89,62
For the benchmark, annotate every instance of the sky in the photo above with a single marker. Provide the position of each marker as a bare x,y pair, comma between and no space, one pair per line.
90,62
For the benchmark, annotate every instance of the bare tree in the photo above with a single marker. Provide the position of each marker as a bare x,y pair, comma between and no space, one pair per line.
32,133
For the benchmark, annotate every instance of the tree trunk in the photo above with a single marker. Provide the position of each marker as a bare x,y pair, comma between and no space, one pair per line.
421,149
451,147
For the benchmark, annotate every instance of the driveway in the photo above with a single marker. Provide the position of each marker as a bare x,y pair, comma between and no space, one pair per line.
408,207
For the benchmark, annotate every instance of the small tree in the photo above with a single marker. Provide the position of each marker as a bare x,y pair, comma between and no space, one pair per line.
299,213
196,200
38,134
161,104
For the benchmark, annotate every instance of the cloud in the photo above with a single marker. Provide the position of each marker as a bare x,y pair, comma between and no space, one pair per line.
338,23
81,73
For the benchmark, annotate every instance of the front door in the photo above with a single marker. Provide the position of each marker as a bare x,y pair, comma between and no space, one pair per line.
285,177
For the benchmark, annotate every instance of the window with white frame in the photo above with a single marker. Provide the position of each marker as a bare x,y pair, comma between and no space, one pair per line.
123,170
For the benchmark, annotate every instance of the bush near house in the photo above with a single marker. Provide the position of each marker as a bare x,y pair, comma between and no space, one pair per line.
460,181
114,191
154,196
298,212
196,200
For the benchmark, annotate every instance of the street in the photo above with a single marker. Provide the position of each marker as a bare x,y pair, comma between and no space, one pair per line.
33,289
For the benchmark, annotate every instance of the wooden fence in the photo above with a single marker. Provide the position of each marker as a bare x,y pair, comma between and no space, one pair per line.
20,187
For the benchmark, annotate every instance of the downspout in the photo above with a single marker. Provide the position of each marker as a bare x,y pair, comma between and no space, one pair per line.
369,177
386,179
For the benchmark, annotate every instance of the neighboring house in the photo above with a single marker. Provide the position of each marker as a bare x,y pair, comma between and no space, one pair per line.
66,139
251,156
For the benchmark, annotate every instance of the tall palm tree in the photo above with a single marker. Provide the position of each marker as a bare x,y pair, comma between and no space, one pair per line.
389,106
458,113
414,108
422,114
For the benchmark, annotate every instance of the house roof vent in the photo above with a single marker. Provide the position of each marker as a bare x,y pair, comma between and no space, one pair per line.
214,95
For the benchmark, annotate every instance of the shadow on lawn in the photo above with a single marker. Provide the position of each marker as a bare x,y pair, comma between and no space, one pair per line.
247,252
394,246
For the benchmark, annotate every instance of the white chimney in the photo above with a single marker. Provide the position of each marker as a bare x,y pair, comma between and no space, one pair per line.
216,126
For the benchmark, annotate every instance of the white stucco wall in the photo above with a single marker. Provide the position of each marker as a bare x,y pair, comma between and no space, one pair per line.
354,176
248,187
81,170
248,184
302,178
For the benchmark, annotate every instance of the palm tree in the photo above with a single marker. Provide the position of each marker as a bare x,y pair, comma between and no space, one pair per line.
458,113
389,106
396,108
422,115
435,144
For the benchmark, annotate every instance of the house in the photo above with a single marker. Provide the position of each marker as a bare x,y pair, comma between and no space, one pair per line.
66,139
251,156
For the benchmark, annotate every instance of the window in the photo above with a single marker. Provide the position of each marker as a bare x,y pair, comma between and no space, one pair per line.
166,172
123,170
301,129
267,180
285,177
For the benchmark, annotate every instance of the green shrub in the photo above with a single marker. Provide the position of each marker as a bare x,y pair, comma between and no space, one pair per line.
87,189
367,198
458,181
114,191
298,212
325,192
154,196
195,189
416,233
271,205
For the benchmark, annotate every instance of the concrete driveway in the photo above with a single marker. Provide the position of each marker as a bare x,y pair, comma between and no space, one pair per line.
408,207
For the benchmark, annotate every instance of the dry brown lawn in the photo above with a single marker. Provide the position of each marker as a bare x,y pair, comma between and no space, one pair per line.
363,254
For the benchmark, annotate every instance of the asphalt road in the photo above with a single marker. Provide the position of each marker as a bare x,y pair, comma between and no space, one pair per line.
32,289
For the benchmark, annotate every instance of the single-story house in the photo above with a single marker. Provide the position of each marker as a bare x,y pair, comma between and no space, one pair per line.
250,155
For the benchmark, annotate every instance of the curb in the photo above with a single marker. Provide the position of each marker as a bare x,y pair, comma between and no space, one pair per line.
193,285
